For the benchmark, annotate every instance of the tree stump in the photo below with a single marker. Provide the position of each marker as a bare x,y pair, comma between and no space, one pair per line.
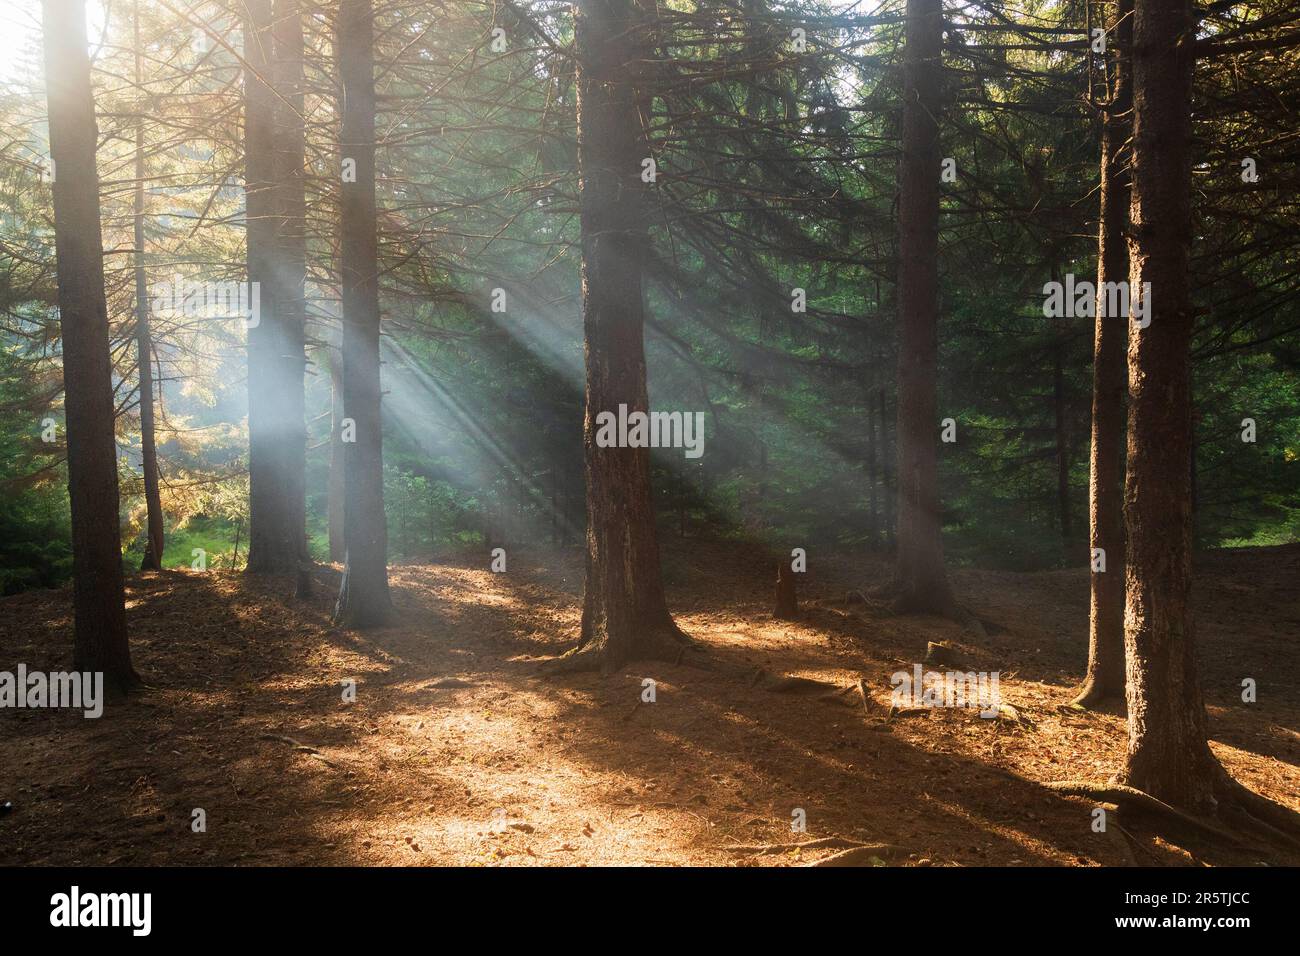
787,604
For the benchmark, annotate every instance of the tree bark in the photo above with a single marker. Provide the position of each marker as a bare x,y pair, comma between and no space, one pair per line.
625,613
334,505
872,454
276,208
153,552
921,581
99,607
1062,438
1168,756
363,600
888,480
1105,677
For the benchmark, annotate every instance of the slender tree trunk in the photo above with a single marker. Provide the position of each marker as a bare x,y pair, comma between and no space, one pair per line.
99,607
1062,439
363,597
888,482
334,506
873,449
291,259
275,161
144,351
920,577
1168,756
555,500
270,542
1105,678
625,614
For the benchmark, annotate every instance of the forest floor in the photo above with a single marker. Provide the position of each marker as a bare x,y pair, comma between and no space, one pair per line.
456,751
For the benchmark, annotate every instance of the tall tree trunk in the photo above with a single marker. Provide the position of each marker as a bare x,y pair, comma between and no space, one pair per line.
872,453
1062,438
888,481
363,596
920,577
1168,755
291,260
153,552
99,607
1105,678
275,159
334,504
269,541
624,614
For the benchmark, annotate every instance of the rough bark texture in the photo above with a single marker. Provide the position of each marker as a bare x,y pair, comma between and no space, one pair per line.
1105,678
1168,756
274,157
920,577
624,612
153,551
99,609
363,596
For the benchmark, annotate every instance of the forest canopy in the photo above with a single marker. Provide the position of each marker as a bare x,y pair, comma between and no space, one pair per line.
770,273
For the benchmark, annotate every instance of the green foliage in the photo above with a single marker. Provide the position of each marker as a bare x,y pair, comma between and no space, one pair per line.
776,171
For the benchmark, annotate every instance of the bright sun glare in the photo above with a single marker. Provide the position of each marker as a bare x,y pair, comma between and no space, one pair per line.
20,35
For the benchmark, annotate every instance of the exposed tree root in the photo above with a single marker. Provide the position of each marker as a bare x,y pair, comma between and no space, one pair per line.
673,646
853,852
1124,840
861,855
902,601
1093,696
1274,820
809,687
1246,811
1124,796
769,849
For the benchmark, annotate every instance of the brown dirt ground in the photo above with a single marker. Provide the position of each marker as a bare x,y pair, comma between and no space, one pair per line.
519,769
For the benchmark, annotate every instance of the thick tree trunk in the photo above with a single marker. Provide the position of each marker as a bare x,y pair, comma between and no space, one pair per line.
276,207
1105,678
144,352
920,577
99,608
624,614
1168,756
363,597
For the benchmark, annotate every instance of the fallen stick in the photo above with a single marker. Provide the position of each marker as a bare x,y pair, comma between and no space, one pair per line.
860,855
823,843
295,744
